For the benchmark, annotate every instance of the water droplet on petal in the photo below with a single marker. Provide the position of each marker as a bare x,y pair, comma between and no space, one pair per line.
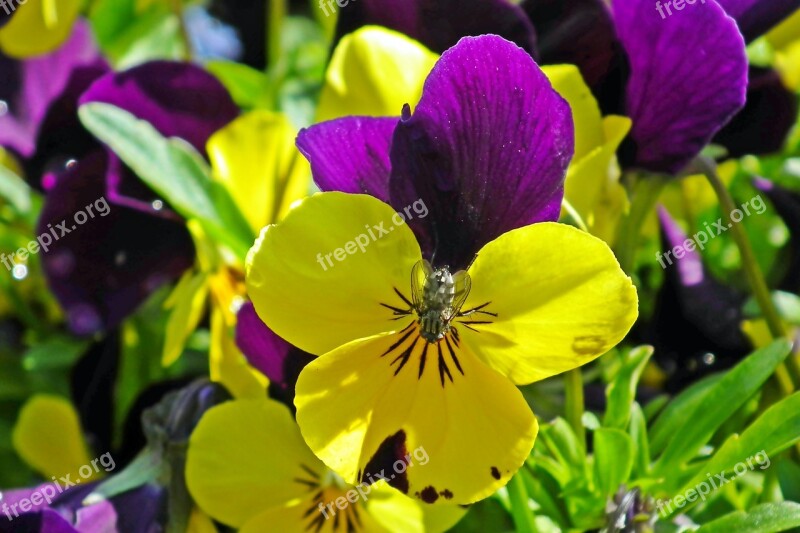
709,359
3,108
120,258
158,205
20,272
70,163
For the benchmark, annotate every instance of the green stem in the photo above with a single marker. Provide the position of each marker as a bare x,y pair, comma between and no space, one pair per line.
275,15
753,272
520,511
573,384
646,191
177,10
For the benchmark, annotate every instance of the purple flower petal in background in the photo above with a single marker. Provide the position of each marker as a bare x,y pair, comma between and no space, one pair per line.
787,204
486,149
350,154
582,33
103,269
688,77
439,24
756,17
768,116
27,88
274,357
695,328
178,99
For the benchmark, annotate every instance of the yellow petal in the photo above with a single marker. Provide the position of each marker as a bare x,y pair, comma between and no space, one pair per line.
374,72
318,278
463,428
48,437
227,364
245,457
568,82
187,302
199,522
560,297
38,27
255,157
592,185
308,517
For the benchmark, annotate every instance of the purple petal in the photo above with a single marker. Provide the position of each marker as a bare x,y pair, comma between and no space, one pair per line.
695,316
178,99
439,24
764,123
486,150
45,521
29,87
103,269
582,33
688,78
787,204
274,357
350,154
756,17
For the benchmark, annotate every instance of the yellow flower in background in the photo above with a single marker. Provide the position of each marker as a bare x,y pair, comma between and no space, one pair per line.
254,157
248,467
37,26
785,40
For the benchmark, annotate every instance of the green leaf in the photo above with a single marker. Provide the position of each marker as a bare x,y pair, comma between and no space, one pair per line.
174,170
789,478
520,503
718,403
765,518
249,87
775,430
15,191
638,433
613,459
622,389
54,353
675,411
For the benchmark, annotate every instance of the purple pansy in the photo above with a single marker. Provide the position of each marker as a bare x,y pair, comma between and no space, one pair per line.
29,87
787,204
101,270
485,151
679,78
140,510
439,24
274,357
695,328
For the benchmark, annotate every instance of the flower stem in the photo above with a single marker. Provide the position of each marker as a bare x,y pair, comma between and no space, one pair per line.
518,499
645,193
177,10
573,384
753,272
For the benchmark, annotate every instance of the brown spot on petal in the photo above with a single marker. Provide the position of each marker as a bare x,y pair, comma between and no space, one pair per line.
382,464
428,495
495,472
446,494
589,344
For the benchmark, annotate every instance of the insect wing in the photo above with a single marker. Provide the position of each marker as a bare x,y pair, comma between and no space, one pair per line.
463,284
419,275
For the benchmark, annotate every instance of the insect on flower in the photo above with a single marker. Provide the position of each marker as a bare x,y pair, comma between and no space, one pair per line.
437,297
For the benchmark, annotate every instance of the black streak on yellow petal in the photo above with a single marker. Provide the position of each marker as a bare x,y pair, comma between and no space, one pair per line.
391,450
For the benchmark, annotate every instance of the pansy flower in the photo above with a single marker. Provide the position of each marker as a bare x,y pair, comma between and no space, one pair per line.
477,169
634,61
248,467
102,270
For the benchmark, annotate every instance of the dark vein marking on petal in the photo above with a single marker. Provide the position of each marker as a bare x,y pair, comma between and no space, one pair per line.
453,355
